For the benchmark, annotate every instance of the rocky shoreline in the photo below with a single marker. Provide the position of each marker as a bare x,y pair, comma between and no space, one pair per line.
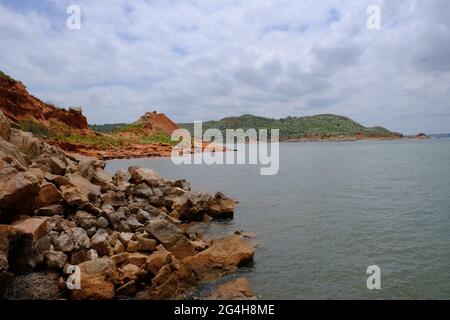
69,230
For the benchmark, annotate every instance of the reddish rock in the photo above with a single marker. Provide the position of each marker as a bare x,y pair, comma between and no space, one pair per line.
18,105
171,236
223,257
33,228
7,235
48,195
93,288
238,289
158,259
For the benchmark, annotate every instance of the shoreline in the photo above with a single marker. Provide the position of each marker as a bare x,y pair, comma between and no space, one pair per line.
107,155
127,233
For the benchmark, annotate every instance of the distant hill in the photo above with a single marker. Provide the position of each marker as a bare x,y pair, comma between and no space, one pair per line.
319,126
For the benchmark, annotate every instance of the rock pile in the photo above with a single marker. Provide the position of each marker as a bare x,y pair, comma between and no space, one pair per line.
123,233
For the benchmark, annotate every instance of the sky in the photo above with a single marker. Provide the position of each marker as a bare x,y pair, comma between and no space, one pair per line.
203,60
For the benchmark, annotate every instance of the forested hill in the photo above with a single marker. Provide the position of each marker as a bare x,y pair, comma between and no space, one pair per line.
320,126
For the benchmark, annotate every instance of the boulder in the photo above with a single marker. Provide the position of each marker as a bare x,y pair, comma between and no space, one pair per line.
93,288
221,207
125,237
104,268
15,187
132,272
137,258
55,165
132,246
144,175
173,281
171,236
120,258
84,219
132,223
102,179
7,235
142,191
100,242
73,196
146,244
55,259
101,223
30,248
85,186
158,259
224,256
238,289
48,195
80,238
63,243
12,156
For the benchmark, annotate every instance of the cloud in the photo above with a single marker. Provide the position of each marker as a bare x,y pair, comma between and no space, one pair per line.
198,60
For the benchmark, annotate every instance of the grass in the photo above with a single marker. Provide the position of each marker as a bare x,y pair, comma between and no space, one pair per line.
98,140
157,138
35,128
5,76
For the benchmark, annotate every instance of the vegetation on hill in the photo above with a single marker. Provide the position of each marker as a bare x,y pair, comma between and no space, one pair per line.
107,128
323,126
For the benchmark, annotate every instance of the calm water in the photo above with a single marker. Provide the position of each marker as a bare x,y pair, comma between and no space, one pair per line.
333,210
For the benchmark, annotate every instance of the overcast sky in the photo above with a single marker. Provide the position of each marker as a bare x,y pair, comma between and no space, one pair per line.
202,60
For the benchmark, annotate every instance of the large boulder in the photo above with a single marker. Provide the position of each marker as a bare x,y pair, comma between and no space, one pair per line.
102,179
173,281
48,195
143,175
10,154
97,279
17,188
238,289
84,186
73,196
221,207
171,236
158,259
224,256
30,248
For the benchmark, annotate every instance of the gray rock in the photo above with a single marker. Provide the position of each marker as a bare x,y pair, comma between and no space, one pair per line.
100,242
171,236
64,243
55,259
102,222
80,238
84,219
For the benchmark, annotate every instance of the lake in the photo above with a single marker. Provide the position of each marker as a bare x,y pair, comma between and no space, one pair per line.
334,209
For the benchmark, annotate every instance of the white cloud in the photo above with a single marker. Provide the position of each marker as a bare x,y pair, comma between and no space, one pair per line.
200,60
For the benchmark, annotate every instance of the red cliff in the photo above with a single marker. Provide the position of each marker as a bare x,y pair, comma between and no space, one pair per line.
20,106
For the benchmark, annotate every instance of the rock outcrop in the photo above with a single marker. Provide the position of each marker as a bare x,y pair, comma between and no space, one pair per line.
238,289
20,106
125,233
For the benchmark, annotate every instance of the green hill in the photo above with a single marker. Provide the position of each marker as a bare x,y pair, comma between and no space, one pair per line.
318,126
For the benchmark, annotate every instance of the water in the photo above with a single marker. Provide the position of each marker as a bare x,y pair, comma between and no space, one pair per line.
333,210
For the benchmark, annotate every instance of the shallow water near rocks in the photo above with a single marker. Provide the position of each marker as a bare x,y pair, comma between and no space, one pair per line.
333,210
